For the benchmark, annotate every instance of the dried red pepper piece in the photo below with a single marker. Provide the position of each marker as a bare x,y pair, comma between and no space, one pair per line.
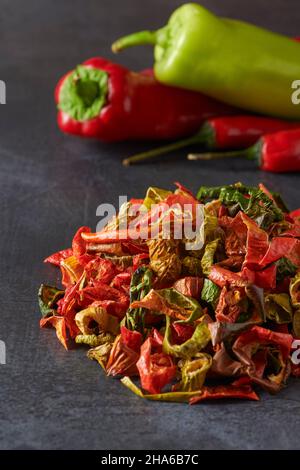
122,359
266,278
190,285
115,301
223,277
220,392
101,269
257,242
229,306
122,282
246,349
78,244
59,323
156,369
260,335
181,333
295,214
56,258
132,339
282,247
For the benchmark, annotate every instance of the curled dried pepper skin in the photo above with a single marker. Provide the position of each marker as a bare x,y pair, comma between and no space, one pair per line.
193,373
156,368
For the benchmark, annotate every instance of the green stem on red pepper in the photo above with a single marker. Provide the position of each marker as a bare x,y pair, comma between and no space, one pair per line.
251,153
204,136
84,93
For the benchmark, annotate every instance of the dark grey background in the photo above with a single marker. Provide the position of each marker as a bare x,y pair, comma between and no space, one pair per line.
50,184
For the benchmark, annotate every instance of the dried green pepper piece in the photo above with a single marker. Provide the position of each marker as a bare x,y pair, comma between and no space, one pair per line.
285,268
189,348
172,303
208,257
193,373
104,322
210,292
139,287
176,397
251,200
154,196
295,291
94,340
278,308
48,297
101,353
191,266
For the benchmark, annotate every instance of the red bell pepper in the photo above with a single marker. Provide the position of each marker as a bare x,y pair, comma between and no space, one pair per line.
107,101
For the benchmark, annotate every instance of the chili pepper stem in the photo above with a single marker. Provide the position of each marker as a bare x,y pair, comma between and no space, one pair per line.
204,136
84,93
139,38
141,157
249,153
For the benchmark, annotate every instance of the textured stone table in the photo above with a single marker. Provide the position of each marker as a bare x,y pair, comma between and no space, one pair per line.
50,184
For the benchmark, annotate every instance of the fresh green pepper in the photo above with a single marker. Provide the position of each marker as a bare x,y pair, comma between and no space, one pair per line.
230,60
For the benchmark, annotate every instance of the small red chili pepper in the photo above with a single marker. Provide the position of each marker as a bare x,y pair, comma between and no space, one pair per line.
277,153
228,132
104,100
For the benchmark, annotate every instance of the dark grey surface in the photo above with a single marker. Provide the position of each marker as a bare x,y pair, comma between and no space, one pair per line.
50,184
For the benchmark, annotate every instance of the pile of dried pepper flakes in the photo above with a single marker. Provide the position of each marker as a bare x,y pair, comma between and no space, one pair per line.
187,326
